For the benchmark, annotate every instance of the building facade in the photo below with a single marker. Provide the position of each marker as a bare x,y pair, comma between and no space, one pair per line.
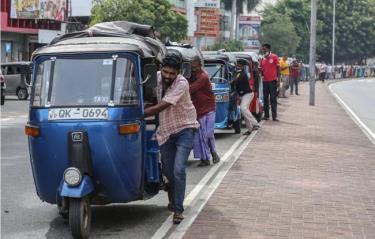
24,23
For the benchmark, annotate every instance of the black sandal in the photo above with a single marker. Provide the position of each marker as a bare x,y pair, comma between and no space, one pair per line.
177,218
215,158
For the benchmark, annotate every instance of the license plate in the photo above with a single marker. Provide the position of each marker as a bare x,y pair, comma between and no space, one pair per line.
77,113
222,97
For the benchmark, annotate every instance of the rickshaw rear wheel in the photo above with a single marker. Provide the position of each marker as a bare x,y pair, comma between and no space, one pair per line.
22,94
79,217
237,126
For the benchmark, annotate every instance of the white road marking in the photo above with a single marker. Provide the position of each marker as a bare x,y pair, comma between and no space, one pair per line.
354,117
13,120
196,195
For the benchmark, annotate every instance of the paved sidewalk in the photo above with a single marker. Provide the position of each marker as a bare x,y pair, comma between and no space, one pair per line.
311,175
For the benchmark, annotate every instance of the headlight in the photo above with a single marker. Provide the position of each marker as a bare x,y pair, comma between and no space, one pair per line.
72,176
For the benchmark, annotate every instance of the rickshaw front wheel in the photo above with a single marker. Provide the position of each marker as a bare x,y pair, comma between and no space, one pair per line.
237,126
79,217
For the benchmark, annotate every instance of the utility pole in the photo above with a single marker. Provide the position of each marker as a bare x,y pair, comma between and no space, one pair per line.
333,37
233,20
314,4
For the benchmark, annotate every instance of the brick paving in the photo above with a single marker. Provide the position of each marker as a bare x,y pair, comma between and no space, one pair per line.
311,175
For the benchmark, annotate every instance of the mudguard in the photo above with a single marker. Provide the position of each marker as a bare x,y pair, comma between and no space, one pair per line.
83,189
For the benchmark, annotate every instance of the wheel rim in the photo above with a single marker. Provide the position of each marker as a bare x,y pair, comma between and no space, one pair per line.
21,94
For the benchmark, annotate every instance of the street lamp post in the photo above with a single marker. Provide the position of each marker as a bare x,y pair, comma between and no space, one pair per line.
333,37
312,50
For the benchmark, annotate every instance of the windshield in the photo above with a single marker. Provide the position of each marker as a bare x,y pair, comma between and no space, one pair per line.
77,82
216,72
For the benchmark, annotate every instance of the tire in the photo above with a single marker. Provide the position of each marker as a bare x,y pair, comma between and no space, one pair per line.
237,126
79,217
22,94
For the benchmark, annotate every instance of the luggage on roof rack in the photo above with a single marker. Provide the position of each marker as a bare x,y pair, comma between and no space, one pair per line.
110,29
109,36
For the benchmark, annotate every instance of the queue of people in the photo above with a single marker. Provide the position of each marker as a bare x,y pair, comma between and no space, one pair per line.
186,109
328,72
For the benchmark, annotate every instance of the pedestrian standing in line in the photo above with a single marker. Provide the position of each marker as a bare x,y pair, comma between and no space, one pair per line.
330,72
175,134
294,76
284,71
301,71
243,88
350,71
322,71
205,104
271,74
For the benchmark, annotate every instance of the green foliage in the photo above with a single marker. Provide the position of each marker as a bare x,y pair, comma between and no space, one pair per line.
281,35
227,45
157,13
355,28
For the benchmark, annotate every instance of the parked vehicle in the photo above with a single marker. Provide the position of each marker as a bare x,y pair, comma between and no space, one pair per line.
186,52
220,68
17,77
89,141
2,87
256,106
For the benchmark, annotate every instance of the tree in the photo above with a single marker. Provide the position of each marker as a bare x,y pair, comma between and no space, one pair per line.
281,35
237,7
355,28
157,13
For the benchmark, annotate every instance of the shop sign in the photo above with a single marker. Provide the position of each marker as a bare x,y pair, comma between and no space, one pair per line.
8,47
208,22
208,3
39,9
249,31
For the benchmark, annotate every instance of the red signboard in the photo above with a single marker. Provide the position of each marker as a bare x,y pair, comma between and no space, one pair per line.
208,22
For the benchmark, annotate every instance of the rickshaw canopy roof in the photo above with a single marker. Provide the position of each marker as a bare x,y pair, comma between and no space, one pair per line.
118,36
214,56
245,54
187,52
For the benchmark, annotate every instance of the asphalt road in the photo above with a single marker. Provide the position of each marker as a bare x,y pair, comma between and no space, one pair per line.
23,215
359,96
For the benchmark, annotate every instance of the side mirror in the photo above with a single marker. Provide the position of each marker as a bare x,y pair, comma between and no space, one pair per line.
28,71
27,81
186,70
150,76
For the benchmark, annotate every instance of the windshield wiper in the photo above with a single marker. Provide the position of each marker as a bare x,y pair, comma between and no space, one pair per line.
50,81
114,65
216,73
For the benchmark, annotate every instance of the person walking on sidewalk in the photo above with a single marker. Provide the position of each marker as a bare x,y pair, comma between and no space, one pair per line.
271,73
322,72
175,134
244,90
204,101
294,76
284,70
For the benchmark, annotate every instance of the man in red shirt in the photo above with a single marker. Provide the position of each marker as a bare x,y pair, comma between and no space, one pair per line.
294,76
204,101
271,74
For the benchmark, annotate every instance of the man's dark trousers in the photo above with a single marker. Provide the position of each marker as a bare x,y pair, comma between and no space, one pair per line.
270,94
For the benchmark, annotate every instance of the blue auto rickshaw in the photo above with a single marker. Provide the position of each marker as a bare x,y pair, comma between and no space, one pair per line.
187,53
88,139
221,69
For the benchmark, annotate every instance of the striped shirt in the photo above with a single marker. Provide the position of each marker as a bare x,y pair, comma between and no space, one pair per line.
181,114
